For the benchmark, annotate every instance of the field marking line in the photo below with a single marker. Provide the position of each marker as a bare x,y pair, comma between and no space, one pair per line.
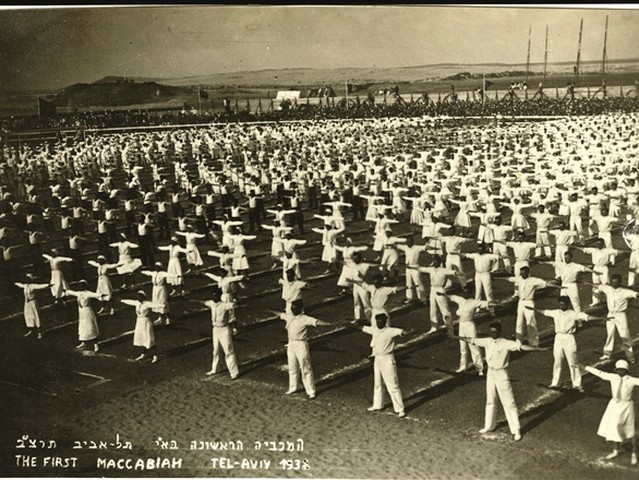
31,389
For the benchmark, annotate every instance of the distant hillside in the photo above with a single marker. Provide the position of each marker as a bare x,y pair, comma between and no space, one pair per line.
172,93
115,91
298,77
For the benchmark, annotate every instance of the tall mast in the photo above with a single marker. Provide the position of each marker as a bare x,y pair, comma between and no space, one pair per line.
546,54
603,59
581,29
528,56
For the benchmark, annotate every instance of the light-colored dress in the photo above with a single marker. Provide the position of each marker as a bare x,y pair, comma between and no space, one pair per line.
518,220
58,282
329,238
104,287
618,421
160,295
87,321
240,262
143,335
174,268
349,272
31,315
193,256
127,263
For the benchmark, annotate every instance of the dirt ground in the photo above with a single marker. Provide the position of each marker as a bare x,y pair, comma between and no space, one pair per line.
52,392
71,413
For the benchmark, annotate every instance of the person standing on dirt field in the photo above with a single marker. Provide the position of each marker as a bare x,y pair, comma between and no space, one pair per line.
299,355
384,367
618,421
497,381
566,322
223,321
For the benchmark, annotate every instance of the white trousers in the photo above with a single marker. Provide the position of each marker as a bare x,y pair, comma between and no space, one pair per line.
361,303
385,375
575,223
299,359
454,260
565,346
438,307
571,290
500,249
620,324
560,261
498,386
414,283
527,322
597,280
468,329
542,237
484,283
223,342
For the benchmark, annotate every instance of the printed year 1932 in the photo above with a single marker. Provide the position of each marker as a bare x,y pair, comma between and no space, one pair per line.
294,464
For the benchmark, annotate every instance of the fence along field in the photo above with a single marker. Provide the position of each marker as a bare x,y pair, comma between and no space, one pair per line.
263,86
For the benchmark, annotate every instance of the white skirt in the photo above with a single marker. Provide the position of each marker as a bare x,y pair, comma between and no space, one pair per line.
329,254
87,324
143,335
174,272
129,266
277,249
618,421
104,287
193,256
348,273
519,221
399,206
462,219
240,263
416,216
31,315
160,296
58,283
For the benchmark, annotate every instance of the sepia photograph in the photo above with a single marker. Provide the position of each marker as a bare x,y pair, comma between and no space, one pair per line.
346,242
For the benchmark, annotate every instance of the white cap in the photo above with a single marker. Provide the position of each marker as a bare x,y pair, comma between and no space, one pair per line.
622,365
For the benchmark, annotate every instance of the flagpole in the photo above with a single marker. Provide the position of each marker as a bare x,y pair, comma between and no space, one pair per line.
199,100
346,85
603,60
528,56
581,29
546,54
483,91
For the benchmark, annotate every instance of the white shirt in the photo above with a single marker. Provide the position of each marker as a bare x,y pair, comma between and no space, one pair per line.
438,275
565,320
570,271
526,287
383,342
484,263
379,296
222,313
466,307
412,254
297,326
617,298
497,350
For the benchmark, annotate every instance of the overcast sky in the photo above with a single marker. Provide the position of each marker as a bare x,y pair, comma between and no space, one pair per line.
53,48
